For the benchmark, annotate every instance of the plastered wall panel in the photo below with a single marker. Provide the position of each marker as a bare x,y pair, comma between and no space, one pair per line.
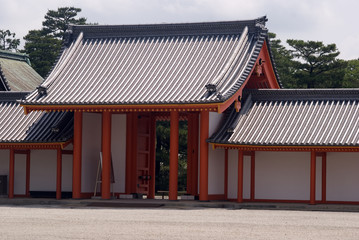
216,171
91,148
118,149
4,162
43,170
246,177
20,174
66,181
282,175
342,176
232,173
318,183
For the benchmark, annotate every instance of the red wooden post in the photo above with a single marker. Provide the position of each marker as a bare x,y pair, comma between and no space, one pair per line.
173,180
226,174
77,156
204,128
106,156
312,176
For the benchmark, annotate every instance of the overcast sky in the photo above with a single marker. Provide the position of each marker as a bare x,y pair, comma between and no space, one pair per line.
329,21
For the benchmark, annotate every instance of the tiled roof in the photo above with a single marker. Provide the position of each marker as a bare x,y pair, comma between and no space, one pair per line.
35,127
294,117
16,73
153,64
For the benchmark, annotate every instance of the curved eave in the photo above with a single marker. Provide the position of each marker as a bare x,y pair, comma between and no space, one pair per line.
34,145
283,148
123,108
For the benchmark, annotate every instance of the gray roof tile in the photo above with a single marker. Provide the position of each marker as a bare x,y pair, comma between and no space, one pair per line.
153,64
299,117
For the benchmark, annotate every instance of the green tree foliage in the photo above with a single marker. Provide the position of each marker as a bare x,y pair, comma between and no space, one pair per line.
43,46
8,40
316,65
351,76
57,22
162,155
283,61
42,49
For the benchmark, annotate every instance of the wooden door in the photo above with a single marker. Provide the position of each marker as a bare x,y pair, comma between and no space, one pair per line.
145,140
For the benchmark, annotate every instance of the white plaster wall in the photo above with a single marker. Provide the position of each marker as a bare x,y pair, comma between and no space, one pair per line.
20,174
66,181
233,175
118,149
4,162
43,170
342,176
246,177
215,159
91,148
282,175
215,171
318,182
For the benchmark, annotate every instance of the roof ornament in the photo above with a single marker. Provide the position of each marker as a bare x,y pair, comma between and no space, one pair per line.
211,88
42,91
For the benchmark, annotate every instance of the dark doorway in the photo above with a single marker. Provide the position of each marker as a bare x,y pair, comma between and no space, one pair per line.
162,156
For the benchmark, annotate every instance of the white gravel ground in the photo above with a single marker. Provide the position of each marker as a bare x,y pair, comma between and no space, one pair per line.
37,222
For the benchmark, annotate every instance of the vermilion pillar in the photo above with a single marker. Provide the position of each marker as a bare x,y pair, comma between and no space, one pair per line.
173,179
106,156
203,181
77,156
240,177
312,177
58,174
11,173
324,178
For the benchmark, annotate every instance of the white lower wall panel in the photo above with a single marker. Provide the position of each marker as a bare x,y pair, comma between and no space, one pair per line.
43,170
342,176
282,175
318,183
4,162
118,149
91,148
215,171
20,174
232,173
66,181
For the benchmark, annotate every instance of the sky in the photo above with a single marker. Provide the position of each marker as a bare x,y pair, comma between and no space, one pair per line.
329,21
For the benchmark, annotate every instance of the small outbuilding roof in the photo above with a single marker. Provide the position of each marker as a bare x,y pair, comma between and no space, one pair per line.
16,74
35,127
293,117
189,63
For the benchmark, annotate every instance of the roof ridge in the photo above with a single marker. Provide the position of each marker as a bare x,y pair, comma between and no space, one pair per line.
167,29
15,56
303,94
